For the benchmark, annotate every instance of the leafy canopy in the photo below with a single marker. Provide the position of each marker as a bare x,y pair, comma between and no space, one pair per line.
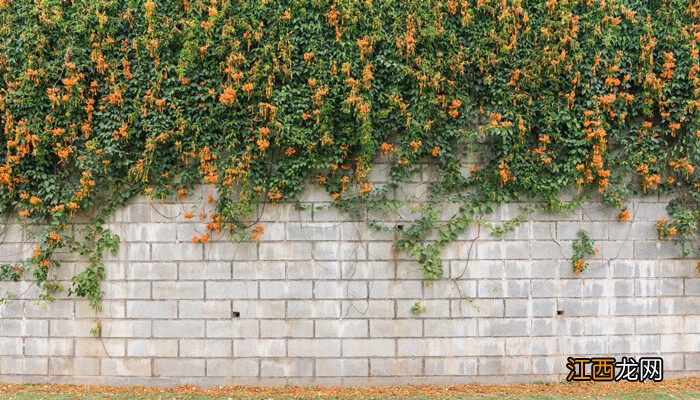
101,100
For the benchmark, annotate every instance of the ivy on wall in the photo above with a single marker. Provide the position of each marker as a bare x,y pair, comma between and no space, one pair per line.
102,100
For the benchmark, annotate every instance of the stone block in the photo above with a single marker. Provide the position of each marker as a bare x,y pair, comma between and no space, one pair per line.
342,328
280,328
286,367
151,348
259,348
236,367
206,348
177,290
451,366
313,348
127,366
178,328
209,270
369,348
151,309
169,367
334,367
237,290
396,366
208,309
397,327
242,328
286,289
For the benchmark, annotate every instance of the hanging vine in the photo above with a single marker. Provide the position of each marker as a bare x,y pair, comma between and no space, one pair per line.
102,100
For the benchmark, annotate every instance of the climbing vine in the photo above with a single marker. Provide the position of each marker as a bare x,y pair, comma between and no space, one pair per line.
102,100
582,250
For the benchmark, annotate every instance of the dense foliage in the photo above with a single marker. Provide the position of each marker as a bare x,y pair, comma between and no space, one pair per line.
101,100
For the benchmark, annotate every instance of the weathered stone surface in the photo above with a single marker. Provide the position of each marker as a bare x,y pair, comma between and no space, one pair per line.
322,299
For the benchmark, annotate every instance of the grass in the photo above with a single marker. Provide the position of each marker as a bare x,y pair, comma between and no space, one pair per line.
627,396
683,388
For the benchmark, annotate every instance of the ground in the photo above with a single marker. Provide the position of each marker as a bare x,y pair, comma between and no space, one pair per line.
683,388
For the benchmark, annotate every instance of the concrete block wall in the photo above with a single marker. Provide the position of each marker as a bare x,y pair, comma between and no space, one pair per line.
325,300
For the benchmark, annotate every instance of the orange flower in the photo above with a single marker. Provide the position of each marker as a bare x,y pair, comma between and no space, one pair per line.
612,82
263,144
274,195
386,148
607,99
35,200
651,181
257,232
24,213
228,97
623,216
436,151
504,172
189,215
495,119
55,237
64,152
668,66
122,132
415,145
661,227
365,187
204,239
674,128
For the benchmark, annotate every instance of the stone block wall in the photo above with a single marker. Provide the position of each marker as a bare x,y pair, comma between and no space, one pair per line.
325,300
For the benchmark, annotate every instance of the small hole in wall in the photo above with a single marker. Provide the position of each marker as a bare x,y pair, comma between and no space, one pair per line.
560,312
236,314
399,227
